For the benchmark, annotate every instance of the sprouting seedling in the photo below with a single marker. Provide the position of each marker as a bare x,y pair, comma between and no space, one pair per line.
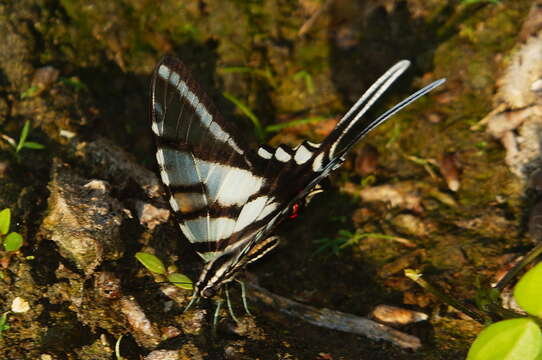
261,131
346,239
516,337
283,125
11,241
248,113
30,92
74,82
4,323
519,338
304,75
22,143
155,265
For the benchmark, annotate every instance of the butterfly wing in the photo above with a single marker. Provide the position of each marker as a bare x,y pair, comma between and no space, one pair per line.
293,173
227,198
205,168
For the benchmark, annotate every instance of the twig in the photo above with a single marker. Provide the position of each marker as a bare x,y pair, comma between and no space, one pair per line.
474,314
335,320
307,26
530,257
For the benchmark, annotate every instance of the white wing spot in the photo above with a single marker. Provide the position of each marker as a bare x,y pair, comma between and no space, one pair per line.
228,185
282,155
302,155
174,79
317,164
198,227
164,72
264,153
203,114
165,177
173,204
268,209
191,98
250,212
218,133
156,128
182,88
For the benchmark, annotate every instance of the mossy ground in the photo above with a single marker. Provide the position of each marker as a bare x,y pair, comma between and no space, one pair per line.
253,50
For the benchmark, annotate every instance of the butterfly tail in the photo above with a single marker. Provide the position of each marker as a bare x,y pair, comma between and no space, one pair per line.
353,127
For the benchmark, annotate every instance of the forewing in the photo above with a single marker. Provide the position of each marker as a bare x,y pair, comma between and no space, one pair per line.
205,168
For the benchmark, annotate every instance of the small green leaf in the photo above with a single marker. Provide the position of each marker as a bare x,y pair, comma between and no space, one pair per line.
151,262
5,219
31,91
508,340
528,291
33,145
22,137
181,281
13,241
278,127
4,323
248,113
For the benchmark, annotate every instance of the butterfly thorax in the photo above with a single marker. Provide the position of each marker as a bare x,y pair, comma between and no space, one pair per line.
225,267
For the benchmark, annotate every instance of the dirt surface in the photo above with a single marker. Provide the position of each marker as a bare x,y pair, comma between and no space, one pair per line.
429,190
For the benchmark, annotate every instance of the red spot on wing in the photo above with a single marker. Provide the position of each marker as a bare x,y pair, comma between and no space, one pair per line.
295,211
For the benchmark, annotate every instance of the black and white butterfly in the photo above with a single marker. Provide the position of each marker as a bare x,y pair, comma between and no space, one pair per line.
228,198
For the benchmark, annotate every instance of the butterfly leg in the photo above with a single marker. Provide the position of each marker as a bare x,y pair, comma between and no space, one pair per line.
194,299
244,297
217,312
228,301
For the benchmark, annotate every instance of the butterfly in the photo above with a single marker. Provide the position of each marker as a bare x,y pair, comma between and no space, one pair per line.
227,197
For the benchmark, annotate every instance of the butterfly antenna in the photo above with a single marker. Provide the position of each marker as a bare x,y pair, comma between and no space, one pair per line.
230,308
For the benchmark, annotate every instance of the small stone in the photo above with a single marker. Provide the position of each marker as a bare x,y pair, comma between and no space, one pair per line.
142,329
149,215
536,86
19,305
396,315
46,357
410,224
449,168
367,161
45,76
163,355
67,134
170,332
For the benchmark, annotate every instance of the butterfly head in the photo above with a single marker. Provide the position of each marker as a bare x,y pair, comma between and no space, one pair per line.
216,272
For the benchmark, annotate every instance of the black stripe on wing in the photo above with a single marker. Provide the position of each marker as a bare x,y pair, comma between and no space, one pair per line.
211,180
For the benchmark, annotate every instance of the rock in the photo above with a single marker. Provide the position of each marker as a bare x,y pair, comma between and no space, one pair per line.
149,215
396,315
145,332
163,355
111,162
82,219
367,160
449,168
45,76
515,119
19,305
410,225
